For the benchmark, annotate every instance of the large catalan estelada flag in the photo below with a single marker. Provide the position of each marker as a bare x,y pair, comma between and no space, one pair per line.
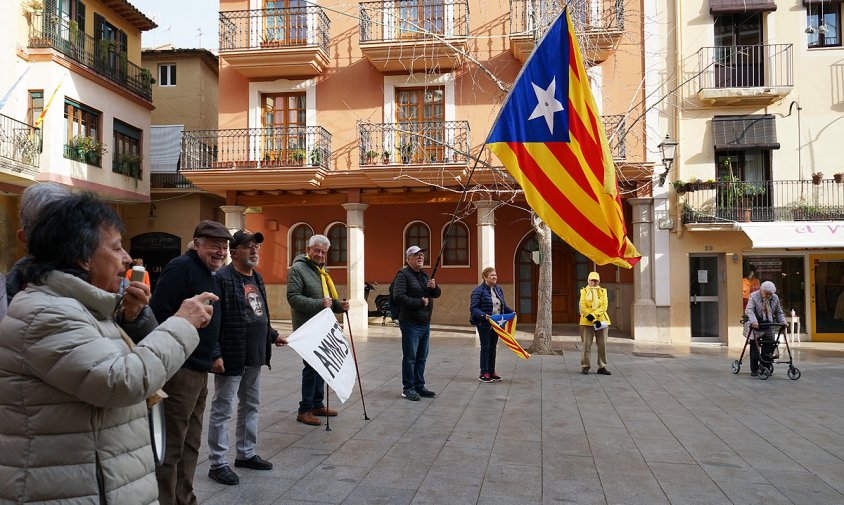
504,325
549,136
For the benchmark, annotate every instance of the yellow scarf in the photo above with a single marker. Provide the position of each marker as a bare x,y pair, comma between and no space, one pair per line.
592,295
328,288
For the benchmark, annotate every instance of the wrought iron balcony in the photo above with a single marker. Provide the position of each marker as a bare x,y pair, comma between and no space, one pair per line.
410,35
256,148
726,202
20,146
599,25
169,180
103,56
745,74
290,41
615,127
428,143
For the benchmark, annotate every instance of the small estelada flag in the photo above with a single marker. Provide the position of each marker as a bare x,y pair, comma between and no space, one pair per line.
504,325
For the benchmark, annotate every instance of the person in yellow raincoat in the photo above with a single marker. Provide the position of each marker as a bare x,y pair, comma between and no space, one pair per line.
594,321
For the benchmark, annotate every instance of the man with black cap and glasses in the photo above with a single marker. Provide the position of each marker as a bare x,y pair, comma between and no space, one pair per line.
184,277
245,345
414,292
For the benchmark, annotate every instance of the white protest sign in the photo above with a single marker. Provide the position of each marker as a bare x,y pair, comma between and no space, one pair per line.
321,343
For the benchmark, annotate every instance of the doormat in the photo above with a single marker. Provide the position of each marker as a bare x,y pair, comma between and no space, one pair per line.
652,355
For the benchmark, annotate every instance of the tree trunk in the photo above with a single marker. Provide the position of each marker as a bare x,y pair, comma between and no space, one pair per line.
542,335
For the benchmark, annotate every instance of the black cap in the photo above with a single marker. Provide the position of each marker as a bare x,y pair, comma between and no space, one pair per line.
245,236
211,229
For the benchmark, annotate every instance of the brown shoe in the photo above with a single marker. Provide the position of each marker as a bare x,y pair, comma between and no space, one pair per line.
308,418
324,412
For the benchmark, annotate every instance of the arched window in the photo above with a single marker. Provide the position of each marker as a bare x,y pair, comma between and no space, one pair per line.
418,233
338,253
299,236
456,247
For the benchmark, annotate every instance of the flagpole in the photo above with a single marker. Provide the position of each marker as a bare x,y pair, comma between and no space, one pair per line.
454,216
355,357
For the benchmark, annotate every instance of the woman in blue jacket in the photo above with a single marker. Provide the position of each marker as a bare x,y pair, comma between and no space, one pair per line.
487,299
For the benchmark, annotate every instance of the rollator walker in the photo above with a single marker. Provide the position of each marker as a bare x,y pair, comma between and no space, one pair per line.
768,350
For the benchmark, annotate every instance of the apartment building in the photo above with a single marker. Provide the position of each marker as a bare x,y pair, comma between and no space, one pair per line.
755,181
364,121
78,107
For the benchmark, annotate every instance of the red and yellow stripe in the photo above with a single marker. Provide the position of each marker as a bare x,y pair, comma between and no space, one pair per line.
507,334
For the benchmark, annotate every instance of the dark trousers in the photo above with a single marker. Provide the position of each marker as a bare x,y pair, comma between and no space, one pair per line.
313,389
489,344
414,349
183,410
768,345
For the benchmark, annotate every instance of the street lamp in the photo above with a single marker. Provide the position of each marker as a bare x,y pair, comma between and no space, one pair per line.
668,148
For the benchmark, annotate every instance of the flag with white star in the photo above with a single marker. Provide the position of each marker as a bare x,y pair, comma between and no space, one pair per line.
549,136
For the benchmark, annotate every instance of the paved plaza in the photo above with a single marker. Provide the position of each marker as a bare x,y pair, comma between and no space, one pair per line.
671,425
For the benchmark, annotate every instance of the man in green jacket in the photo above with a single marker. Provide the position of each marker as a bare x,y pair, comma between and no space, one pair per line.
309,291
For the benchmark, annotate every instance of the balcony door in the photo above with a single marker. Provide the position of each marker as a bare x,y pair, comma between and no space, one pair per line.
418,17
421,124
285,23
747,191
739,52
283,121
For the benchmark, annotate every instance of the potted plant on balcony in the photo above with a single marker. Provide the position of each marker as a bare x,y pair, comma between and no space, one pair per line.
146,77
32,9
128,163
370,156
267,40
738,197
839,177
817,177
86,148
316,156
298,157
406,152
385,157
680,187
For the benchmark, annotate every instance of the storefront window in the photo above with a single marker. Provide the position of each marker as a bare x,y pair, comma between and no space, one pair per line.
786,272
829,295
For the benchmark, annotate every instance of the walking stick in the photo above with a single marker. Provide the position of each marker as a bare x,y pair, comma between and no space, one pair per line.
357,370
327,417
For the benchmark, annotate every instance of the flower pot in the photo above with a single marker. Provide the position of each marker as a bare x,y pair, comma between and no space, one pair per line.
816,179
839,178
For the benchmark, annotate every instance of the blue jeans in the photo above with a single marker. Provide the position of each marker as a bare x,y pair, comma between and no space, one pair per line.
414,348
313,389
230,390
489,343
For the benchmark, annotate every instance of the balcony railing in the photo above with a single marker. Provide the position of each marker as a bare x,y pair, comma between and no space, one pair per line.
615,128
103,56
430,143
588,16
292,147
168,180
724,202
75,154
20,145
407,20
768,65
274,28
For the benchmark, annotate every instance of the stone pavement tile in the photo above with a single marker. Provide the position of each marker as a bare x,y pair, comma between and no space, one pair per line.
663,450
472,437
253,489
509,481
398,473
571,479
813,430
804,488
687,484
471,462
625,476
515,451
377,495
359,452
383,428
417,445
320,440
327,484
296,462
744,485
569,442
453,488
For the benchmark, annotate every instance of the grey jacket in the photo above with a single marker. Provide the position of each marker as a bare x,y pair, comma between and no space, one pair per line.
304,291
74,427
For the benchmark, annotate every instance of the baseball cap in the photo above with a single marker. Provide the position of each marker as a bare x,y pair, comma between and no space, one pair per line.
211,229
414,249
245,236
594,275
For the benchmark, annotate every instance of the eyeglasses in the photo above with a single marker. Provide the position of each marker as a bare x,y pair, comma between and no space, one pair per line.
254,247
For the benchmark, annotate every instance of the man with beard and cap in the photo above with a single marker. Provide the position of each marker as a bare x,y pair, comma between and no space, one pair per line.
245,346
183,277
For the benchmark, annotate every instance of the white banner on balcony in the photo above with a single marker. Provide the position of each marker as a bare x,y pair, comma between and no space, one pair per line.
797,235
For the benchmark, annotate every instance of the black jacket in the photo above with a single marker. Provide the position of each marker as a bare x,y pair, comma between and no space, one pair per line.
183,277
234,318
409,288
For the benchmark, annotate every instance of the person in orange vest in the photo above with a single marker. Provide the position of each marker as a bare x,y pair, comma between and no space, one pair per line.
136,263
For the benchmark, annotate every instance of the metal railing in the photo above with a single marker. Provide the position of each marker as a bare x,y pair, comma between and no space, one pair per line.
20,144
130,168
294,146
407,20
430,143
274,28
88,157
588,16
714,202
615,128
745,66
104,56
167,180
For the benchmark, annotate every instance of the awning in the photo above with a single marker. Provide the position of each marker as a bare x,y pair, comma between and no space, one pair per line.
791,235
740,6
737,133
825,2
165,148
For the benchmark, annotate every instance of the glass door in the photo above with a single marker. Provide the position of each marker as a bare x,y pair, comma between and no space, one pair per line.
827,297
703,298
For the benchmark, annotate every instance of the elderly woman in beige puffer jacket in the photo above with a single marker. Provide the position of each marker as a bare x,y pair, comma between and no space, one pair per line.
73,420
